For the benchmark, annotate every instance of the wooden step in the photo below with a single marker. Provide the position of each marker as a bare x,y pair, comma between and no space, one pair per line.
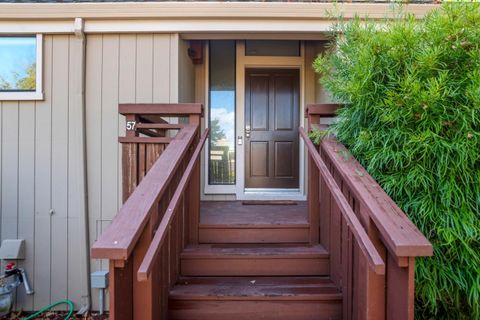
244,298
254,233
232,222
254,259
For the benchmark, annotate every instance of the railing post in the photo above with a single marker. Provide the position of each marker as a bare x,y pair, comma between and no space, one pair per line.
121,272
400,289
130,161
313,113
313,201
194,190
146,293
194,204
120,290
372,302
370,291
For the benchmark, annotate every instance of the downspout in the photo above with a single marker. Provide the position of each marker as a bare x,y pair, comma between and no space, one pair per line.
78,28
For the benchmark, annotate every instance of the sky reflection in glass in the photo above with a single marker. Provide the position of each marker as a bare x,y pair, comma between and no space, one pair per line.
222,113
17,63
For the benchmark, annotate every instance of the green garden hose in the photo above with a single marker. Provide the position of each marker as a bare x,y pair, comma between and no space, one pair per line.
70,306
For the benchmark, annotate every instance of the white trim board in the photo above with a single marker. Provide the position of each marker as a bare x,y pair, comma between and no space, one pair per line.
210,25
35,26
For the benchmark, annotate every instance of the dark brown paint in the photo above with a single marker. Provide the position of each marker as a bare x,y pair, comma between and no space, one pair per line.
272,114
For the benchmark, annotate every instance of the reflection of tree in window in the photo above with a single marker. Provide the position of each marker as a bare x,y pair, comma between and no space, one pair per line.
27,82
4,84
216,132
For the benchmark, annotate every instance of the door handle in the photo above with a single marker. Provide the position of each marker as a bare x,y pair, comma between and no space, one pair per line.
247,131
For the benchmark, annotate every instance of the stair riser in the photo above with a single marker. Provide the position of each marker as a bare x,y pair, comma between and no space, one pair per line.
255,267
253,235
254,310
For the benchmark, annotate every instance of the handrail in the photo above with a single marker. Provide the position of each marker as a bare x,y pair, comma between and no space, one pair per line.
121,236
374,259
161,233
401,237
399,234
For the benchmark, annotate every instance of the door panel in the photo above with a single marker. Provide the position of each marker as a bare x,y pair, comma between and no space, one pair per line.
283,102
284,154
259,163
259,102
271,124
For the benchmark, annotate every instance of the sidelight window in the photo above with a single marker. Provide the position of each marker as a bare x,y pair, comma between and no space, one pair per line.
221,160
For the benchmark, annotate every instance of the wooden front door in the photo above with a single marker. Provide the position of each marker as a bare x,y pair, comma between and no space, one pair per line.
271,128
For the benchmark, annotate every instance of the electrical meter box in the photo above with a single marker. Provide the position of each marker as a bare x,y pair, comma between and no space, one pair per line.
99,279
12,249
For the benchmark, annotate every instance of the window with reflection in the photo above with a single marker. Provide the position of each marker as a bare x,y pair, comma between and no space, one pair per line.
18,56
221,160
273,48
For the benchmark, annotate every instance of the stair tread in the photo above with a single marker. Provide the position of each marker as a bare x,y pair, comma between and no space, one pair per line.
255,288
259,251
234,213
255,225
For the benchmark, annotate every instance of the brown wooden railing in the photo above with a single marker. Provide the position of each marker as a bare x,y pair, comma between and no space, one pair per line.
348,206
160,215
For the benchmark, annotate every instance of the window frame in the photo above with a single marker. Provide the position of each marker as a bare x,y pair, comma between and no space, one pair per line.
209,114
29,95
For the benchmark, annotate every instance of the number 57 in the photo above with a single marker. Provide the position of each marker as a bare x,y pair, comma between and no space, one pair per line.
131,125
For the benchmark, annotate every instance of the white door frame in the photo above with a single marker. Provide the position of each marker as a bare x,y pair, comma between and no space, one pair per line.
243,62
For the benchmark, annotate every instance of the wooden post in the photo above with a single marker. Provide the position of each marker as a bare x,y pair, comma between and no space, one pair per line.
313,200
145,293
370,291
120,290
313,113
400,289
121,272
372,306
194,191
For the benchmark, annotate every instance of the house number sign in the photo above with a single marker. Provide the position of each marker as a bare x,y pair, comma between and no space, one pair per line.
131,125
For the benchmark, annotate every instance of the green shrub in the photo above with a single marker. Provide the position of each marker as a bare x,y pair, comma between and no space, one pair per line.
412,118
